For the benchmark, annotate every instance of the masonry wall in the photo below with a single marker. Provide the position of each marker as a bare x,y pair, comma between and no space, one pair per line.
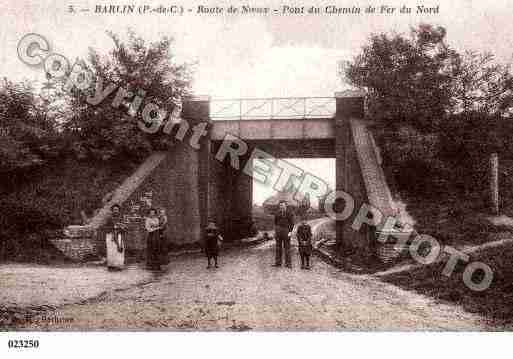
77,249
230,199
179,184
80,244
173,185
241,204
355,240
348,175
349,179
219,192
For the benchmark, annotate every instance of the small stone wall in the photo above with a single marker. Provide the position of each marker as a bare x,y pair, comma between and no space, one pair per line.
80,243
393,249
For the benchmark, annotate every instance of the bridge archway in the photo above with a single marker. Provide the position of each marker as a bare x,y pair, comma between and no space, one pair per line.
231,189
225,190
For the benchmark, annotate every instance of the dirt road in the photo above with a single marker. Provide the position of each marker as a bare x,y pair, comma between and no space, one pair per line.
246,293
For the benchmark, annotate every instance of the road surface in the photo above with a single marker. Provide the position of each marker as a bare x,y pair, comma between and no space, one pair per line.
247,293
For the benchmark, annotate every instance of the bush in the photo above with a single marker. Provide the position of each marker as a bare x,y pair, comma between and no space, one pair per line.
52,198
410,159
405,144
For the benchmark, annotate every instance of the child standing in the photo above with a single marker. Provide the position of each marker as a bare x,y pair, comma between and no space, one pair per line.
212,240
304,239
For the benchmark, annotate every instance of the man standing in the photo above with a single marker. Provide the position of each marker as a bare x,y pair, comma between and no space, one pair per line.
283,225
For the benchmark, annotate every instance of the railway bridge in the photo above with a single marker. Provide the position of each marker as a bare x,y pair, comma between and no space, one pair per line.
213,181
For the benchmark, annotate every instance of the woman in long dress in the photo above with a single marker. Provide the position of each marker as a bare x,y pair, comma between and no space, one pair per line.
114,239
152,226
162,237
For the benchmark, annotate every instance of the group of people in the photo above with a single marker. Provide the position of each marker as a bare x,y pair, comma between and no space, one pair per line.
284,226
156,245
284,231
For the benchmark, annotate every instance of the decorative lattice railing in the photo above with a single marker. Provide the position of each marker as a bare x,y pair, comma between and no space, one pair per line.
273,108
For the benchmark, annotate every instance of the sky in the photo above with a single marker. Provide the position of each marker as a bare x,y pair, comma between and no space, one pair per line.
321,167
252,55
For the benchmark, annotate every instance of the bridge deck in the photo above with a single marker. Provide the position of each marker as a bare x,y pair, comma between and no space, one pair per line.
275,129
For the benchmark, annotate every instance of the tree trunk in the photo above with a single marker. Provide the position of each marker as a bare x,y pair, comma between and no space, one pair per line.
494,183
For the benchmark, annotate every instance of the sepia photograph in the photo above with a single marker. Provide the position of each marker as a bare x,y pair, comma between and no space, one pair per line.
255,167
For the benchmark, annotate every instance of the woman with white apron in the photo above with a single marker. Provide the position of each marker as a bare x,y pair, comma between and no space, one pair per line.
114,239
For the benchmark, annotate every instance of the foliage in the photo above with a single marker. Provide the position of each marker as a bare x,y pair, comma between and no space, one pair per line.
35,131
411,159
28,137
439,114
494,305
481,86
107,132
59,155
53,196
408,79
406,144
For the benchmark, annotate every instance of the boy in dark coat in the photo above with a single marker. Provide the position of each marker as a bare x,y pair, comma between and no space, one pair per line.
211,243
304,239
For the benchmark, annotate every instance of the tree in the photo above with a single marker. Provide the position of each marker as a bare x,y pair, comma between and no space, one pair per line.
482,100
107,132
28,135
408,79
480,85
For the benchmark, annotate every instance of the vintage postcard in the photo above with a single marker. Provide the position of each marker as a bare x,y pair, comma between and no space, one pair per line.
255,166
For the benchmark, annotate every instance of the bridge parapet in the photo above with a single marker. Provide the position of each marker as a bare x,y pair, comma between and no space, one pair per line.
273,108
